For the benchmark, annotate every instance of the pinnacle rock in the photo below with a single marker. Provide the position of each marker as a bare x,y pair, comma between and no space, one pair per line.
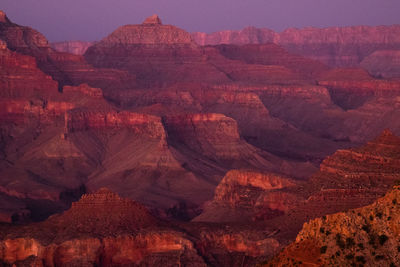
153,20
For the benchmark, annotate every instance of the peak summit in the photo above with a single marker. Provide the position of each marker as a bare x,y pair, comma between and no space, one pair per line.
153,20
3,17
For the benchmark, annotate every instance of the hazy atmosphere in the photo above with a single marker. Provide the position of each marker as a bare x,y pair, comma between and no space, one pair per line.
93,19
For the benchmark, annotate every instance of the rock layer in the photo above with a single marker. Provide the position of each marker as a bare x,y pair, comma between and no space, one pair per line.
335,46
72,47
337,239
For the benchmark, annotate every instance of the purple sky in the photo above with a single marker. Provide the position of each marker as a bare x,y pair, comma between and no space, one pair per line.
94,19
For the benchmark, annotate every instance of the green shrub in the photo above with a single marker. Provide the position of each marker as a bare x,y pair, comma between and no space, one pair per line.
323,249
350,242
328,232
361,259
382,239
322,230
366,228
379,257
340,242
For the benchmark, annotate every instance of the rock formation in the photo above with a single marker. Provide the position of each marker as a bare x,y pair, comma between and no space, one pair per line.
20,76
272,54
366,236
335,46
248,196
383,63
101,228
66,69
154,19
157,54
351,88
72,47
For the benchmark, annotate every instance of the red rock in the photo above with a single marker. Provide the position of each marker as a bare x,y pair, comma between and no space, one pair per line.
377,236
153,20
85,90
248,35
116,231
351,88
158,55
384,63
374,165
80,120
350,179
65,68
272,54
72,47
20,76
23,111
3,17
249,195
334,46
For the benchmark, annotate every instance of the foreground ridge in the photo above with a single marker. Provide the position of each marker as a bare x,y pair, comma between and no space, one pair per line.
367,235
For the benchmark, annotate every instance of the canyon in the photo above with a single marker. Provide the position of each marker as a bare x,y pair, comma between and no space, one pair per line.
334,46
159,147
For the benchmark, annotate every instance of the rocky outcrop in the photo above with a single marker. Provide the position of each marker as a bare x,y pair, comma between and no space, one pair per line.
351,88
81,120
158,55
213,135
21,38
248,35
101,229
66,69
272,54
335,46
151,32
367,236
353,178
383,64
216,137
248,196
374,165
20,76
3,17
23,110
154,19
84,89
72,47
105,213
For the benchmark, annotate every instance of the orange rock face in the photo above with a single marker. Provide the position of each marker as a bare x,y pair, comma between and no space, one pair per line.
367,235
